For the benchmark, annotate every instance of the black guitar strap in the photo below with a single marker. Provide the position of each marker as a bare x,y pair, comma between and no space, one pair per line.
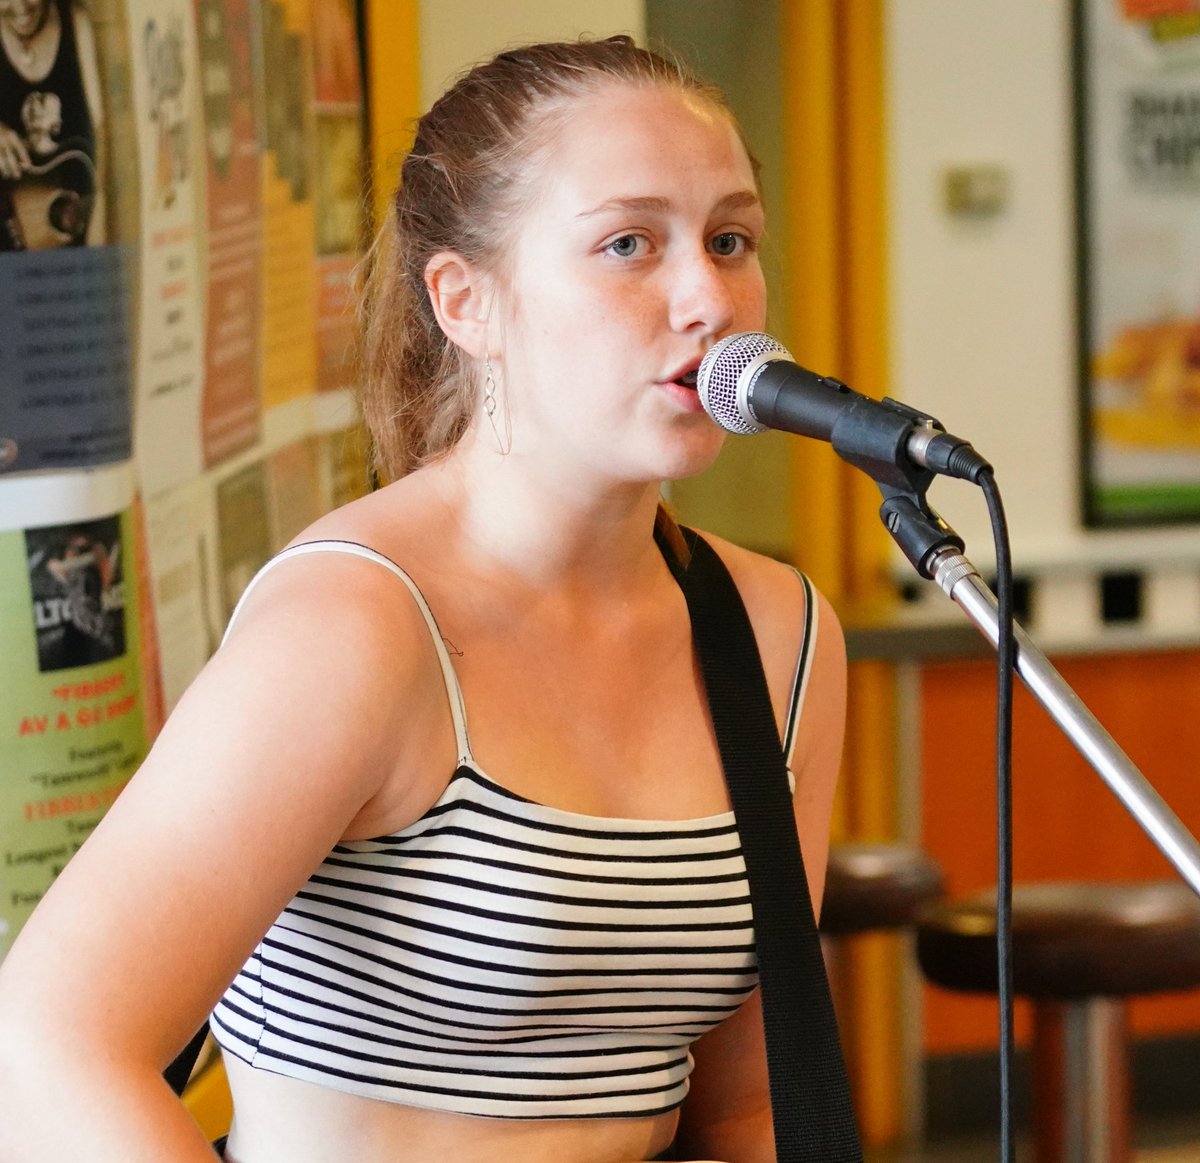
810,1094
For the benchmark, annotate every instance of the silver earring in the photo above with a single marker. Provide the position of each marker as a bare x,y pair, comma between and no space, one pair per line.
503,444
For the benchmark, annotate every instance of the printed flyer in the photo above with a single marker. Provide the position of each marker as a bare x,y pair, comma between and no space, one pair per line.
72,728
66,244
293,483
339,185
182,539
344,470
289,223
65,349
1139,145
232,410
245,537
169,363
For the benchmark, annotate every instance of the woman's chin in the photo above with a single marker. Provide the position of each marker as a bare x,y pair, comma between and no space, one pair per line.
691,453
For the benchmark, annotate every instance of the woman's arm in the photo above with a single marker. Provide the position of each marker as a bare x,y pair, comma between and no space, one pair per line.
727,1114
89,71
280,747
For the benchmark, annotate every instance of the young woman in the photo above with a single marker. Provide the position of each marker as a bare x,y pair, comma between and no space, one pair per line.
51,127
474,881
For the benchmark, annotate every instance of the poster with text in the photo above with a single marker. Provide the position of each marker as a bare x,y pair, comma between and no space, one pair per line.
339,187
244,532
65,350
154,707
1138,79
232,410
169,365
294,492
181,533
344,471
72,727
289,222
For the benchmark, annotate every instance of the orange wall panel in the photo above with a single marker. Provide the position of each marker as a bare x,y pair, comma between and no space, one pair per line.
1067,824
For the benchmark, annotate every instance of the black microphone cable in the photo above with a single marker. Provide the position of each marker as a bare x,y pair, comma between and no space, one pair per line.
746,391
1006,658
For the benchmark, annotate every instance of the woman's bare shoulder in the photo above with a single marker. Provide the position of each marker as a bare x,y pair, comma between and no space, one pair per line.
770,588
778,605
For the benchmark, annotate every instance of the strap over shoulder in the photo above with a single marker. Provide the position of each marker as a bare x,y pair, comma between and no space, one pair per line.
810,1093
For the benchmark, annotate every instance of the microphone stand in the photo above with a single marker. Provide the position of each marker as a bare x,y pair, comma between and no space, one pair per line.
937,553
902,450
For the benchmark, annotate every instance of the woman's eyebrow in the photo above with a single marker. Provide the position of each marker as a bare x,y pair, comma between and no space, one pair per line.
741,200
645,205
651,204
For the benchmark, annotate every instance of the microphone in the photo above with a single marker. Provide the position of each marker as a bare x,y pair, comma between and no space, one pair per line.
749,382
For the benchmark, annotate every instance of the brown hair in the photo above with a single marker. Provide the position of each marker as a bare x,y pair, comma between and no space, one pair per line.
461,188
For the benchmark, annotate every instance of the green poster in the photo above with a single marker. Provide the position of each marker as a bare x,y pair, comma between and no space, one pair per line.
71,716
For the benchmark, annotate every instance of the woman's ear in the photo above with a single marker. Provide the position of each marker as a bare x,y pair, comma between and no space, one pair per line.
461,296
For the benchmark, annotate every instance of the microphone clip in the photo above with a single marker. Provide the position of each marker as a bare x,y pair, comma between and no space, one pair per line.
903,449
876,437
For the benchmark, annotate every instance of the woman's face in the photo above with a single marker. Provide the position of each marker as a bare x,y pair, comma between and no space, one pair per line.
24,17
638,251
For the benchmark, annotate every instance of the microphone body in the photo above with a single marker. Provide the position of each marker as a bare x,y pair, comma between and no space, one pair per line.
749,382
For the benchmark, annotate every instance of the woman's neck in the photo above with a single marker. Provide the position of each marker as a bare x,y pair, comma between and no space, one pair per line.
33,55
550,534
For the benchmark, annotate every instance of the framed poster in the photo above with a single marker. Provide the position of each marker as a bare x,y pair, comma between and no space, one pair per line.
1137,77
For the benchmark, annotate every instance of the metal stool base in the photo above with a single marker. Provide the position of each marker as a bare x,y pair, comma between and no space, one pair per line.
1081,1082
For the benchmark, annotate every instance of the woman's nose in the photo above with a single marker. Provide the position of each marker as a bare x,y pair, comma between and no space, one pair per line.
702,299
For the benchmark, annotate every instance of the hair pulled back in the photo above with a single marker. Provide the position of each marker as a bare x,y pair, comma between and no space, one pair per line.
462,187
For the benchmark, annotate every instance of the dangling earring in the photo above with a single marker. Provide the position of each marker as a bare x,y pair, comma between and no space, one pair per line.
503,443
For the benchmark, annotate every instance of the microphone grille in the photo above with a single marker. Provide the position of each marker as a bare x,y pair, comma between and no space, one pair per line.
718,379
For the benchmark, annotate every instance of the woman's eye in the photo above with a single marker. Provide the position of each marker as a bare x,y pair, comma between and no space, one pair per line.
728,243
628,246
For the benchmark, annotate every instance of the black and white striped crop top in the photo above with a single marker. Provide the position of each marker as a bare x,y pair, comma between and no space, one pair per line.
503,958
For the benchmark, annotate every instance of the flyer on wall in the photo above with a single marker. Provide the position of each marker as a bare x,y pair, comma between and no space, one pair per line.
181,528
64,278
339,186
1138,80
169,362
289,223
232,412
72,724
293,491
243,502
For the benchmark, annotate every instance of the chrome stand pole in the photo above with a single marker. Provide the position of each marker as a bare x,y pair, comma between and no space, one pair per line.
960,581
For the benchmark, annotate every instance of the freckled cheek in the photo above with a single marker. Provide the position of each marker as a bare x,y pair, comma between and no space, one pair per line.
752,301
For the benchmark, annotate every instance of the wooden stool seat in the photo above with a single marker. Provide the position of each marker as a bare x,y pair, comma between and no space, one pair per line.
1078,951
1069,940
876,886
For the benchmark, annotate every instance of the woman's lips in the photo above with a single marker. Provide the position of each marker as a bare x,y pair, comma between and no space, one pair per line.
683,391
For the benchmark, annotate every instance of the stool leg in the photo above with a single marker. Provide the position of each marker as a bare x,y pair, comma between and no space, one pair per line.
1081,1082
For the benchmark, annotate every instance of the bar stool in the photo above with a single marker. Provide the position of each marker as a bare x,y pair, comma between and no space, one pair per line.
878,888
872,886
1079,952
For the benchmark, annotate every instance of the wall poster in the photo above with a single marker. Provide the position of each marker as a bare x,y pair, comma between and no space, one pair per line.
72,707
1138,167
64,278
170,359
232,410
339,177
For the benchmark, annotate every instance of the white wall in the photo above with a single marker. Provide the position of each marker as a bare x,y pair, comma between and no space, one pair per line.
983,326
458,33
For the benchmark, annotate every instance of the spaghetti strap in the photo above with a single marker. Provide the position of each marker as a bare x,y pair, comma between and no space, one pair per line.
458,711
803,668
